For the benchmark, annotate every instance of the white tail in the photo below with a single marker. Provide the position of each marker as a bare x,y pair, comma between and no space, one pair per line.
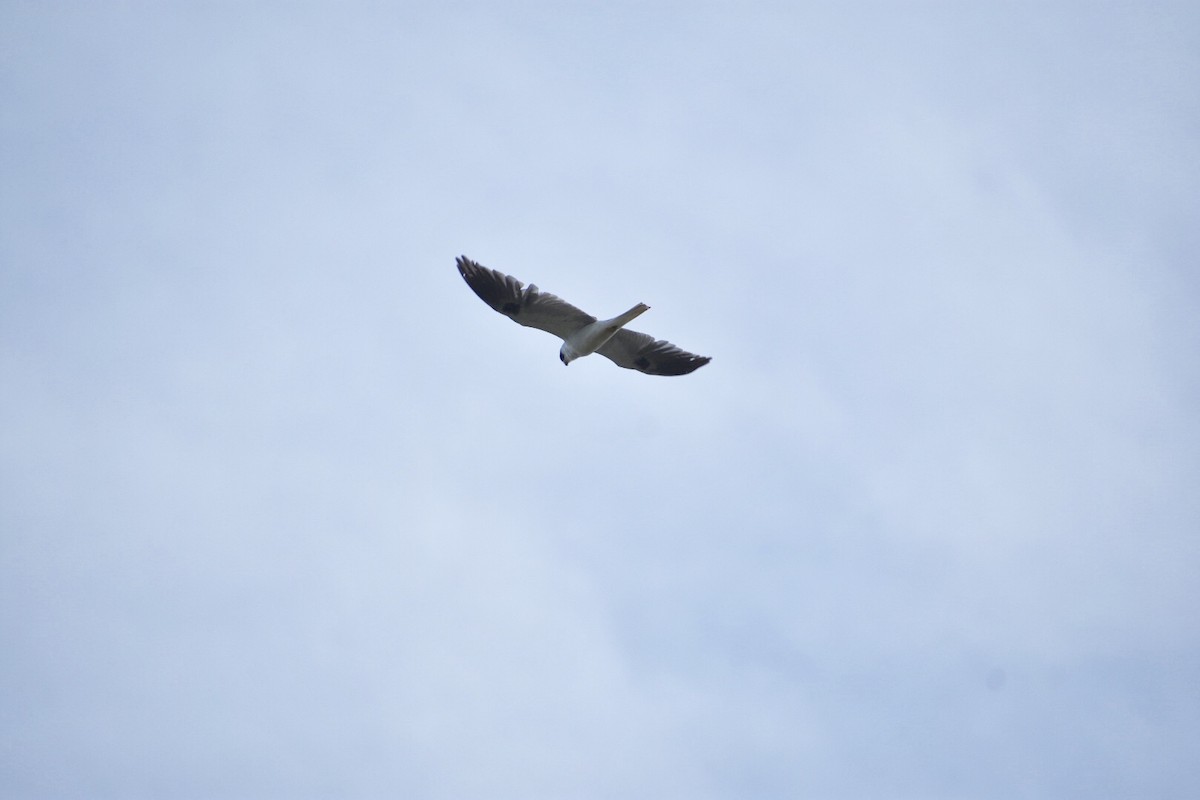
630,315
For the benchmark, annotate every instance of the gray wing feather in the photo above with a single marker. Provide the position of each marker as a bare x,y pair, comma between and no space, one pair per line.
644,353
526,305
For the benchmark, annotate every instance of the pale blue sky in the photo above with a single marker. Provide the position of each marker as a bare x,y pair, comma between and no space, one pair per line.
286,511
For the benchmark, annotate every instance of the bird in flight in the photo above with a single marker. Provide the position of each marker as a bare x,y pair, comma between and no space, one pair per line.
582,334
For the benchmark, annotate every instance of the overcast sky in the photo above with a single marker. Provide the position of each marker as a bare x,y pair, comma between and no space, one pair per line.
286,511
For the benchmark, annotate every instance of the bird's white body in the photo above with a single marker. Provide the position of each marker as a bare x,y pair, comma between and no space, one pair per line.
593,336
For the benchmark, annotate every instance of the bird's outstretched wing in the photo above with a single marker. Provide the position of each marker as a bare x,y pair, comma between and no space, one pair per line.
524,304
644,353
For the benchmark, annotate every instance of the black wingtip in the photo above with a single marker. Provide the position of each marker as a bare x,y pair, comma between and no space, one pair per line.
679,366
502,292
471,271
692,365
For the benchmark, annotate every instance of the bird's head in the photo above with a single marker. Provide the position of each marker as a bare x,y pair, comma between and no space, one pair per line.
567,354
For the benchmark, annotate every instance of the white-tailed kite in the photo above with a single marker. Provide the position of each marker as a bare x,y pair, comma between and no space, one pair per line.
582,334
